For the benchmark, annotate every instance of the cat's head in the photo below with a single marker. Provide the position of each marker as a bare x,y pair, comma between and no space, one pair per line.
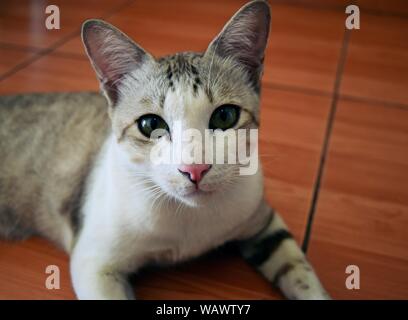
217,89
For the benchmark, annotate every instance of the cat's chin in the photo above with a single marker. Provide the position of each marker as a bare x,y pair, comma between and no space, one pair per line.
196,197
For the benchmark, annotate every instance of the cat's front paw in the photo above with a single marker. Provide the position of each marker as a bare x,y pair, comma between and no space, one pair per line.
311,294
302,284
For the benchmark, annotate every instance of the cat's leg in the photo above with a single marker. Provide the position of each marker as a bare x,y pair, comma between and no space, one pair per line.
275,253
96,274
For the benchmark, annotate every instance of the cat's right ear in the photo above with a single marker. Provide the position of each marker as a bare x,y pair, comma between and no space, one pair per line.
112,54
244,38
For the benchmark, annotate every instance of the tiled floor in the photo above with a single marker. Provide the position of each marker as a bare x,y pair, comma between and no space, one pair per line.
334,139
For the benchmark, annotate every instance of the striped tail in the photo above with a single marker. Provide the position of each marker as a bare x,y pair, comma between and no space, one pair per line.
276,255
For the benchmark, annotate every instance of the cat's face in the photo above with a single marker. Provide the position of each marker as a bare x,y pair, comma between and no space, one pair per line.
218,89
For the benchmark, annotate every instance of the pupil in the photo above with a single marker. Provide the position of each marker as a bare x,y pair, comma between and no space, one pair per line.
153,123
224,115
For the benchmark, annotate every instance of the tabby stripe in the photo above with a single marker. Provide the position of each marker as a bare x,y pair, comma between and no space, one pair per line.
267,246
285,269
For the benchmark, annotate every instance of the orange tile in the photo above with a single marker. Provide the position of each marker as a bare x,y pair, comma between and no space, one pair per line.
51,73
23,22
362,212
398,7
23,270
394,7
9,58
381,277
377,60
304,47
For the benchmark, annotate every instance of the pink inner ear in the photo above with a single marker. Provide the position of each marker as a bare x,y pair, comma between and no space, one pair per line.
112,54
105,50
245,36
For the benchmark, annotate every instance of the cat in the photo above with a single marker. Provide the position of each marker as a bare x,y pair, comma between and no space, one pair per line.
75,167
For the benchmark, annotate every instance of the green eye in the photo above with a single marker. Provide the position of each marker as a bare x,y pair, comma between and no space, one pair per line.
224,117
150,122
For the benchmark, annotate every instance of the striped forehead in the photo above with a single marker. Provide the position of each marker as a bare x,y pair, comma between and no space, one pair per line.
182,72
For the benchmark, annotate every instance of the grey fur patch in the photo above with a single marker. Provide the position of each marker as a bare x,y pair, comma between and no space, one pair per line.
11,226
48,143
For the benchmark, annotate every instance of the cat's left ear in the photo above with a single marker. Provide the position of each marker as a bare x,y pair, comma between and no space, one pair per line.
244,38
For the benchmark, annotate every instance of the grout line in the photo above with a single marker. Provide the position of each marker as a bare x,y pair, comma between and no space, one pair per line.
71,35
70,55
33,50
326,142
20,47
23,64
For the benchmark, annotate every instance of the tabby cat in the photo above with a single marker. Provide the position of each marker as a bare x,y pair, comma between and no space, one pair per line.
76,167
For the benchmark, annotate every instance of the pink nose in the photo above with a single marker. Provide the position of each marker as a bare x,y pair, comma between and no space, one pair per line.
194,172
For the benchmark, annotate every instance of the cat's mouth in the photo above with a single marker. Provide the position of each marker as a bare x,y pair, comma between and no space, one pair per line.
196,192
